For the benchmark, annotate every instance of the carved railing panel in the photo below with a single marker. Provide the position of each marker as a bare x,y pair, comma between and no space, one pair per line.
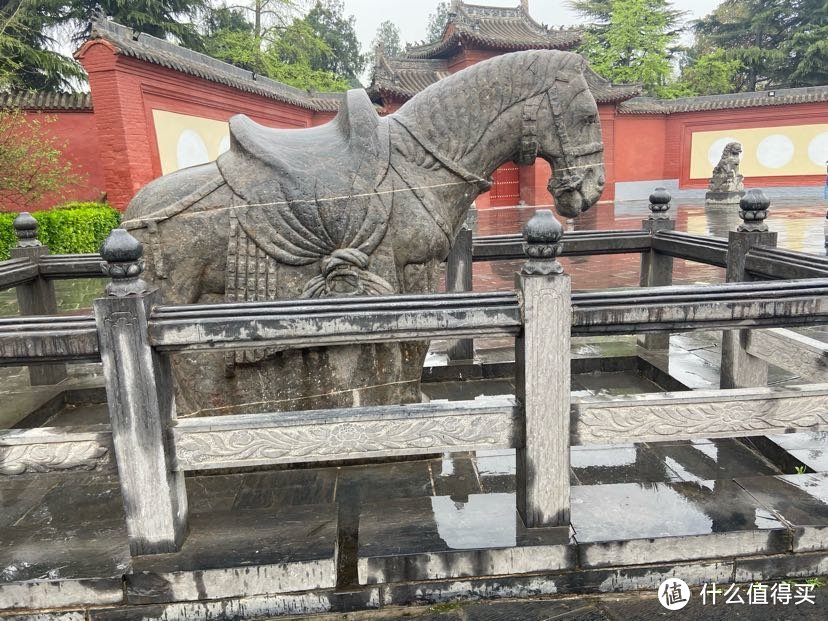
260,439
55,449
700,414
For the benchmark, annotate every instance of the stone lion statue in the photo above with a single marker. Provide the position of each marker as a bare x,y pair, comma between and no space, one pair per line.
726,184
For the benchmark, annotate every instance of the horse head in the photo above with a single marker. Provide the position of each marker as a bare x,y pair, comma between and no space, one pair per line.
568,136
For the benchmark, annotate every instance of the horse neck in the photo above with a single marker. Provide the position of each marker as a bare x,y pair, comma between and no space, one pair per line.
476,133
464,135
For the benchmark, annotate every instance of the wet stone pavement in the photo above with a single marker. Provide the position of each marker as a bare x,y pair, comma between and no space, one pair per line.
632,607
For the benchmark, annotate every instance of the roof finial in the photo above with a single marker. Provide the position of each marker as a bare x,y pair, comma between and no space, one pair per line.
524,5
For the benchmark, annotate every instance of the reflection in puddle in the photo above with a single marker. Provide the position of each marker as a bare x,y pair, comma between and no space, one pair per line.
815,485
594,458
684,474
496,465
765,519
447,465
709,449
632,511
485,521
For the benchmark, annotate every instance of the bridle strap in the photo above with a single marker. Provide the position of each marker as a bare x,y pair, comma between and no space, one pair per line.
529,142
560,125
570,177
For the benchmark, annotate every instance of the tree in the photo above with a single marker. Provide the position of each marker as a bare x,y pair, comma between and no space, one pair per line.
388,38
31,161
437,21
284,53
327,21
26,60
159,18
229,36
779,43
710,74
631,41
297,58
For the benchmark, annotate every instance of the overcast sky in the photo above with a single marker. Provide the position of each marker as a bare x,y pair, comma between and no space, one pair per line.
412,15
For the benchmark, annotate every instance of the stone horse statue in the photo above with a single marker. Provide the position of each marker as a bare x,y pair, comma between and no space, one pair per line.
362,205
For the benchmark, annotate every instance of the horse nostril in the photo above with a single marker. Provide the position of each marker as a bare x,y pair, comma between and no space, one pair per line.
601,181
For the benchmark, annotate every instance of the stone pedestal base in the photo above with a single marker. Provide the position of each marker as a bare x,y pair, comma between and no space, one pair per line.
723,198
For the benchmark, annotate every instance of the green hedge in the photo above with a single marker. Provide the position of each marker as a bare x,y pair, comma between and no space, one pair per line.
72,228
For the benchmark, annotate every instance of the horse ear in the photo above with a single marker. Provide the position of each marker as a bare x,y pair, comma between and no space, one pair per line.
582,64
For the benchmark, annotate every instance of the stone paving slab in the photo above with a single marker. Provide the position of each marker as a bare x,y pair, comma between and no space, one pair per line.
631,524
437,538
717,458
799,500
290,549
638,607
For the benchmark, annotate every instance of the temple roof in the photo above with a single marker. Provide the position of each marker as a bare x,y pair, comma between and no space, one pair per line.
405,77
776,97
30,100
157,51
499,28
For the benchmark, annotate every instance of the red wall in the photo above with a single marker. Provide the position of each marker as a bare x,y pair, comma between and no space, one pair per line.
640,147
658,146
126,91
121,154
769,116
74,133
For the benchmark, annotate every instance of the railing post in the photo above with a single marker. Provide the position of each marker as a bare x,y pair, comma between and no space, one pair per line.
739,369
542,363
657,268
459,278
139,394
36,297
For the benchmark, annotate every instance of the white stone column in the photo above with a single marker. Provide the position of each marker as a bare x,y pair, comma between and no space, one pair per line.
657,268
139,394
739,369
542,376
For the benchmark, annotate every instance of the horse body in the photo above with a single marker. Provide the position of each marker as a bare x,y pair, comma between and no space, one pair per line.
361,206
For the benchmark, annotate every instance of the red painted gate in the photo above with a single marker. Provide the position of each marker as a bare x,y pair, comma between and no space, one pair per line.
505,190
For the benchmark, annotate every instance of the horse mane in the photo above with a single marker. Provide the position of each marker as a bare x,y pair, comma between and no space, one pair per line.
466,103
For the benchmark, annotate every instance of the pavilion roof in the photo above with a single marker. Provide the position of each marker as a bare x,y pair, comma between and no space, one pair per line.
499,28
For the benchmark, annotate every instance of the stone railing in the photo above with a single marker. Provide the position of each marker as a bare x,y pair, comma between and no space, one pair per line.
133,335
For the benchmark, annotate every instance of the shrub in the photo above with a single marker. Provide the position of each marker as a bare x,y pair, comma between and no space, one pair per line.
7,237
32,160
73,228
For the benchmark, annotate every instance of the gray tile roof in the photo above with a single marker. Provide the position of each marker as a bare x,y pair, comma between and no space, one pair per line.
159,52
28,100
649,105
405,77
495,28
605,91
